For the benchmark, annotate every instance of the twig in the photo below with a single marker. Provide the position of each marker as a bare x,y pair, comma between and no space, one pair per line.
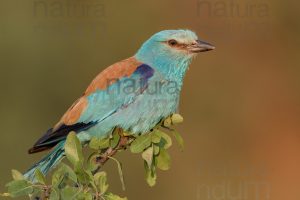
110,152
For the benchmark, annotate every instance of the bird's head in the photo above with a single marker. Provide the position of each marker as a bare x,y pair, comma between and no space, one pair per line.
170,46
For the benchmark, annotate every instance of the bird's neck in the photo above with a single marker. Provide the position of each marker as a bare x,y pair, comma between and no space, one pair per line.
171,68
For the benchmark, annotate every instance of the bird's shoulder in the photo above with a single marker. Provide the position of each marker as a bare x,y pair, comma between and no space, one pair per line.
115,72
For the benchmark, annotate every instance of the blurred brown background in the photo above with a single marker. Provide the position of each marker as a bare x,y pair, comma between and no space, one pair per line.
240,102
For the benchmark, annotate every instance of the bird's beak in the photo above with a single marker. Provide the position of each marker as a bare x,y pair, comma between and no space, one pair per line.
200,46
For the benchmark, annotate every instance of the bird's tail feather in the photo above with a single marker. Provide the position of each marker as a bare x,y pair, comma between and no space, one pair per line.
48,162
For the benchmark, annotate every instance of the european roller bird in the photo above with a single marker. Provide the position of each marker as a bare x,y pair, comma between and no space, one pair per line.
134,94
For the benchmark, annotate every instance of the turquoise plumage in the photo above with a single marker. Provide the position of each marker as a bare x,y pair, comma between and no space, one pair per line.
134,94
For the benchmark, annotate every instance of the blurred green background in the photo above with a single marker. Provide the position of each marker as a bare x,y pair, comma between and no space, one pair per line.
240,102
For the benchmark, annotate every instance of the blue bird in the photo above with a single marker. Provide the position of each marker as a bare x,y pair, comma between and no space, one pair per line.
133,94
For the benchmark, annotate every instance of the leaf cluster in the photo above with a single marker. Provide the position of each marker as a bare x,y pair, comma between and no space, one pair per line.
68,183
83,180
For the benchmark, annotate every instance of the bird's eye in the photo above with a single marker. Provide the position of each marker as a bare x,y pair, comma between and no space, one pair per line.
172,42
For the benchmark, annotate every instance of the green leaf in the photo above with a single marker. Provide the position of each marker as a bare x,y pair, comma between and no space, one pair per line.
17,175
141,143
101,181
85,196
54,194
63,173
167,141
69,172
84,177
69,193
97,144
156,149
167,122
73,149
155,136
115,140
176,119
125,133
110,196
37,192
179,139
150,174
40,178
18,188
92,161
147,155
163,160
